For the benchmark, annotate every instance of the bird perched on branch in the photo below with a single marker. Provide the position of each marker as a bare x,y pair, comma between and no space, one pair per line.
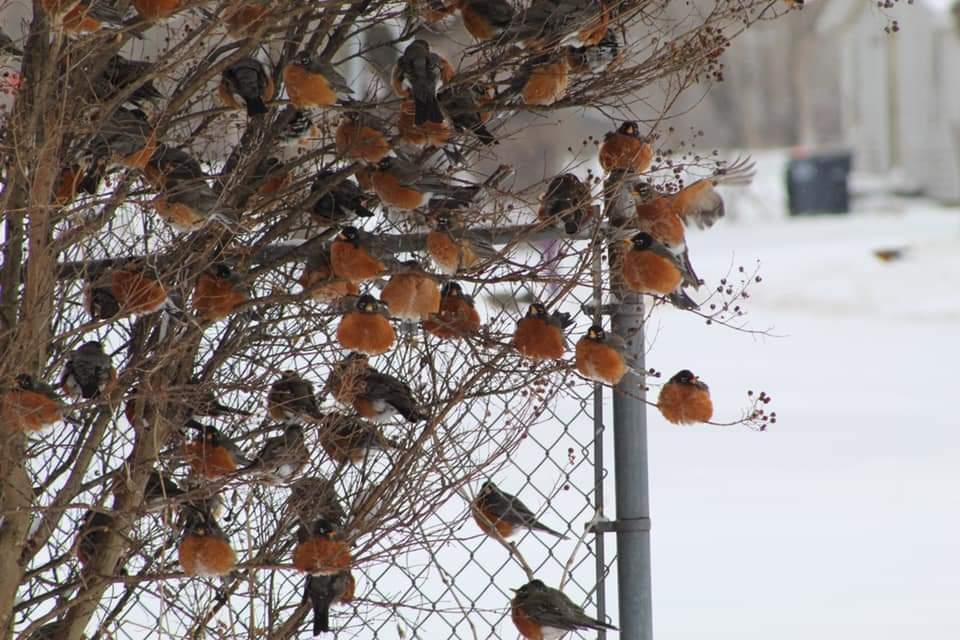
169,166
292,398
544,613
567,203
311,82
159,490
126,290
485,19
30,406
349,439
246,81
547,24
461,103
205,549
282,457
360,137
202,402
366,327
191,205
210,453
88,372
85,16
685,399
428,133
543,79
599,356
625,149
95,528
598,57
412,294
451,254
319,281
156,9
245,18
457,317
356,256
313,497
323,591
373,395
497,512
539,336
650,267
417,75
218,293
321,550
125,138
120,74
337,199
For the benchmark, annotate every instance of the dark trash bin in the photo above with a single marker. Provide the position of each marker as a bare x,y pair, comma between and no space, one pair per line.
817,183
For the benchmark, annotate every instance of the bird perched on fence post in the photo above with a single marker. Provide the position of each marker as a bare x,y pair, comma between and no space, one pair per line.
685,399
544,613
497,512
599,356
650,267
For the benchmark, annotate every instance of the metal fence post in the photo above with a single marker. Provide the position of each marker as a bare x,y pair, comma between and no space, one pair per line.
631,481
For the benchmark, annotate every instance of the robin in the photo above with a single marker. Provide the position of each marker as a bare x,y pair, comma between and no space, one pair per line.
69,182
160,489
218,293
485,19
428,133
416,75
405,185
685,399
543,80
246,80
698,203
452,255
119,74
650,267
412,294
282,457
205,549
349,439
245,18
364,176
625,149
323,591
596,58
355,256
169,166
127,290
78,16
337,200
600,356
126,138
366,327
190,206
297,128
540,336
497,512
210,454
460,103
359,137
543,613
272,176
373,395
30,406
457,317
431,11
156,9
619,204
319,282
88,371
314,497
321,550
201,402
311,82
567,203
292,398
92,536
549,23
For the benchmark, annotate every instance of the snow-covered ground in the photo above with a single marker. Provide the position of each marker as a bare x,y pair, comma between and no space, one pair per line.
842,521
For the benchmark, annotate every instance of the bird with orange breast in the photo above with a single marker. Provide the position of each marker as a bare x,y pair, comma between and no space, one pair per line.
625,149
319,282
321,549
190,205
246,81
543,79
211,454
457,317
348,439
170,165
356,256
30,406
405,185
650,267
417,75
498,513
485,19
85,16
205,549
372,394
360,137
126,138
596,58
219,292
599,356
246,18
461,103
567,203
546,24
685,399
366,327
412,293
323,591
312,82
539,335
128,290
427,133
453,253
543,613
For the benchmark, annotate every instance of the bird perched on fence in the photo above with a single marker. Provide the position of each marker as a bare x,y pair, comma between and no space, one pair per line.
282,457
685,399
218,293
544,613
246,81
485,19
321,550
349,439
337,199
539,336
650,267
211,454
30,406
457,317
417,75
356,256
92,536
625,149
567,203
311,82
128,289
292,398
323,591
452,254
360,137
88,371
366,327
412,293
599,356
319,281
205,549
461,104
373,395
497,512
